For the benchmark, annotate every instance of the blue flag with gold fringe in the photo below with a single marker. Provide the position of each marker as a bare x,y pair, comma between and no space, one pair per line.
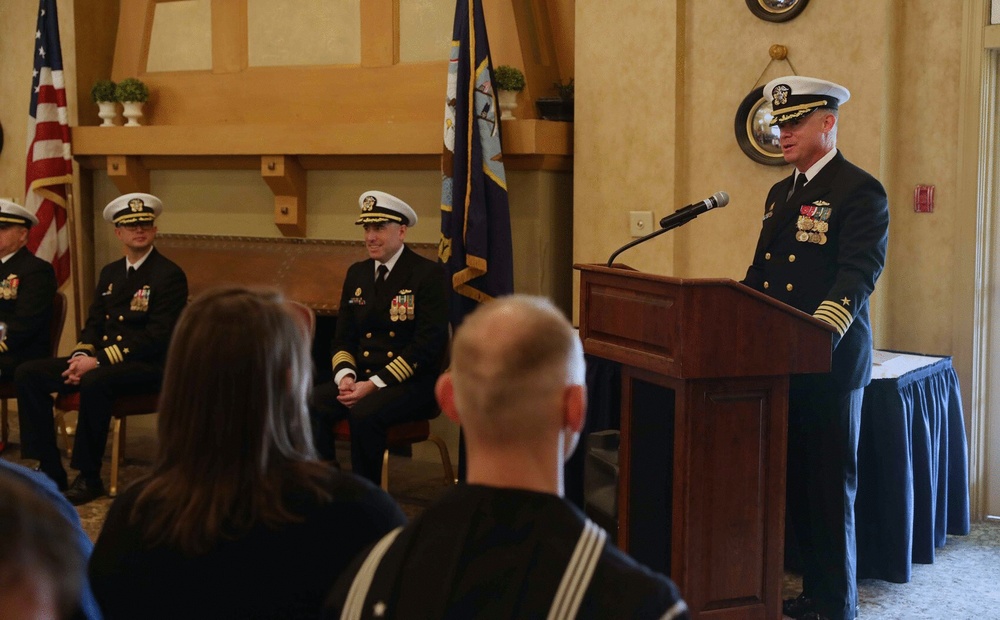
475,215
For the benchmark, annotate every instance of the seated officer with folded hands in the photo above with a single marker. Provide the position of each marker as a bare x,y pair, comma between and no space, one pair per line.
27,287
121,350
392,330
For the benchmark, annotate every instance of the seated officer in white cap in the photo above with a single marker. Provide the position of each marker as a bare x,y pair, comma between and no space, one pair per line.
392,331
121,349
822,246
27,288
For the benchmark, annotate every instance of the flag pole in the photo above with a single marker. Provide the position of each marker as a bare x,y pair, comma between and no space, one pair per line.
74,266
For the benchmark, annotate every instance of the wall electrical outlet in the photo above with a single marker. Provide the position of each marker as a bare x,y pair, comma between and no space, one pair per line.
640,223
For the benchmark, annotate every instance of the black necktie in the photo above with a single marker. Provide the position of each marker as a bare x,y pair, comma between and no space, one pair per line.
380,278
130,273
800,182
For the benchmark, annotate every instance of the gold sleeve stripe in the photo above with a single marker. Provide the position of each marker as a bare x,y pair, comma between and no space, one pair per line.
114,354
824,313
395,373
835,308
405,366
85,348
3,347
832,321
343,357
833,317
400,369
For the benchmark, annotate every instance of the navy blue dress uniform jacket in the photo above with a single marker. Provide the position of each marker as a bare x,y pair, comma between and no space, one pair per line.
399,334
132,319
821,251
486,552
27,288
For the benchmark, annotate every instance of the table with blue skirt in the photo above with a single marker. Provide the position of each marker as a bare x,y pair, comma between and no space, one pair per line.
913,483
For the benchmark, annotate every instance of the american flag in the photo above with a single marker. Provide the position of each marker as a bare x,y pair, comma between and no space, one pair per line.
50,165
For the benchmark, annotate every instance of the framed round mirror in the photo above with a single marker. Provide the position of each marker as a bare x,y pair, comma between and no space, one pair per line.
776,10
754,133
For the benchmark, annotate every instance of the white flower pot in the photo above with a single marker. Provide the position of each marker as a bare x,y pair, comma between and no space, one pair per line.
508,101
108,111
133,112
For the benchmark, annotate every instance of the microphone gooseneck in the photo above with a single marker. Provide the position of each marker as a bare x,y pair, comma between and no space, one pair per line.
677,218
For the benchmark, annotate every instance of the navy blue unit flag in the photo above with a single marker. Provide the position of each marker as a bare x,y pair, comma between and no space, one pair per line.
475,215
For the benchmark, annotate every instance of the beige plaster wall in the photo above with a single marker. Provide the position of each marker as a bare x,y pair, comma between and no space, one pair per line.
925,248
625,138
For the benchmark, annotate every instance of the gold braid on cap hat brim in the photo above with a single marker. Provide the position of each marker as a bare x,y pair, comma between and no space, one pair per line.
794,112
134,217
13,219
380,217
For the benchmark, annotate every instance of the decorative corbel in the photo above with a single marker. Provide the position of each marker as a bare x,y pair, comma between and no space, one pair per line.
128,174
287,179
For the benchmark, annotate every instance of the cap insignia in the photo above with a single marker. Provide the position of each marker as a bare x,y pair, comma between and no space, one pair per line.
136,205
780,94
368,204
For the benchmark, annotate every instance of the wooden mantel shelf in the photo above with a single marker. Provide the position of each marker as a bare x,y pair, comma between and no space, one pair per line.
283,153
528,145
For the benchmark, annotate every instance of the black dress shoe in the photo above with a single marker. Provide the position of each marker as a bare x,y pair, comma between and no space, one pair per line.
797,607
56,473
84,490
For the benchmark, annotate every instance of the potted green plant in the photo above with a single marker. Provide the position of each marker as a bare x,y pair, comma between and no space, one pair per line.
132,93
510,81
103,94
558,108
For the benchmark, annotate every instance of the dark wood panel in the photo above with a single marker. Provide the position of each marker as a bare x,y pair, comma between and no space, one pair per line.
311,271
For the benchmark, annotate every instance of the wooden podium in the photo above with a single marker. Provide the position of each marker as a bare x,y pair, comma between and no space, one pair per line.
705,366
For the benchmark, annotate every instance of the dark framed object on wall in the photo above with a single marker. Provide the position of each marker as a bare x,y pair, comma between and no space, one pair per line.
776,10
754,133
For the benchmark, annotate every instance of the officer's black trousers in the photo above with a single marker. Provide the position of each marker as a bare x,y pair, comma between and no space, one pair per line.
370,420
37,380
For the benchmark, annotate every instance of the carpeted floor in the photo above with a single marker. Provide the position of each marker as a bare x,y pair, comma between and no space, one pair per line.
961,584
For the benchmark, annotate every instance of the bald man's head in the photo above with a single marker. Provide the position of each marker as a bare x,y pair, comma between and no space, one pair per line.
512,360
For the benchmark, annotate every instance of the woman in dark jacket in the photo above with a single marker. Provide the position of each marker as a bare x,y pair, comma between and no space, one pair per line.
238,518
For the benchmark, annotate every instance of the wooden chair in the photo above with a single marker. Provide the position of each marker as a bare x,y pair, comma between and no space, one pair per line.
402,435
408,433
7,388
122,407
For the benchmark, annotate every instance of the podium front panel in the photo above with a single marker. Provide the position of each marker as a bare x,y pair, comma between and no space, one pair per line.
638,326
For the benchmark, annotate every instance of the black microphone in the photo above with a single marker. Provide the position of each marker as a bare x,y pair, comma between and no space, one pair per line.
677,218
688,213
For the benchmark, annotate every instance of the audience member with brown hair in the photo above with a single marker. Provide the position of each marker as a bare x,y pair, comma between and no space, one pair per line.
238,518
42,562
507,544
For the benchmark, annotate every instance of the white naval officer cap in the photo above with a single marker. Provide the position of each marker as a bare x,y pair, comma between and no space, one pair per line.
794,96
131,208
382,207
12,213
